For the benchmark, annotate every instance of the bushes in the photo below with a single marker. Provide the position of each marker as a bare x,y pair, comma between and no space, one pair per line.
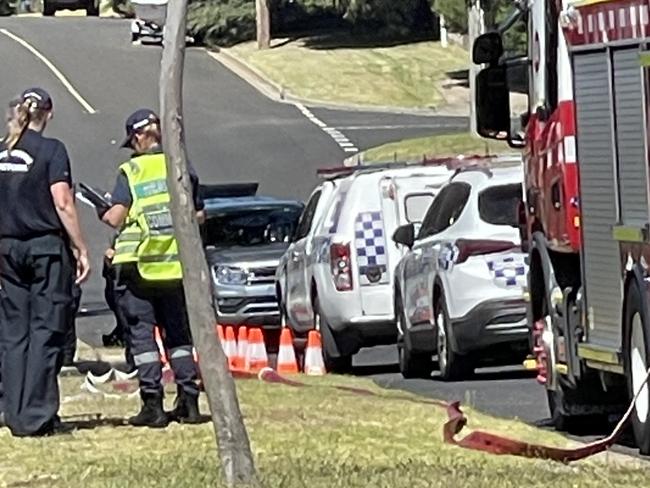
226,22
222,22
393,18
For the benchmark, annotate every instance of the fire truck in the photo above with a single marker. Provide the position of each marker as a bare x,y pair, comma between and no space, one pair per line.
586,215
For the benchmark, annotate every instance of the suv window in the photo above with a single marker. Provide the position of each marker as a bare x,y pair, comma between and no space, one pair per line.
307,217
416,205
446,208
499,205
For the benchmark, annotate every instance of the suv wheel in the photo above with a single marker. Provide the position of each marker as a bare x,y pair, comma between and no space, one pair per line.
333,364
452,366
93,8
411,364
49,8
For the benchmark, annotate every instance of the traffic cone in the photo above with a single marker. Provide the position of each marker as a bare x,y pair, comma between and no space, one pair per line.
242,349
314,364
256,357
286,355
230,347
220,333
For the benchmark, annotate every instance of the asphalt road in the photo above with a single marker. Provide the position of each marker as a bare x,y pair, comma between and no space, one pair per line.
233,134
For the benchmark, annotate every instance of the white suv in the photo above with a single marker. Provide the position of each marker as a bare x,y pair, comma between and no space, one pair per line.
459,291
337,273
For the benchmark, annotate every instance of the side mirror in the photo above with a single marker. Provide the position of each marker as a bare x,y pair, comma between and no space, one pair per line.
487,48
405,235
493,103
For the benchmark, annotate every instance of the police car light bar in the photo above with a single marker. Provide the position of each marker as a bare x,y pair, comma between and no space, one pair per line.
229,190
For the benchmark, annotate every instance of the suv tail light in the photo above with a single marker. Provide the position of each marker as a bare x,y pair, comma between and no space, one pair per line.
340,266
477,247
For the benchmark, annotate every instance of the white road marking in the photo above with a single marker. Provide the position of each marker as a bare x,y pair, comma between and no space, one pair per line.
400,127
64,81
343,142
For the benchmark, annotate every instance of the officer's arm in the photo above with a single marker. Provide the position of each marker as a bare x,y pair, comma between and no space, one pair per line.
116,216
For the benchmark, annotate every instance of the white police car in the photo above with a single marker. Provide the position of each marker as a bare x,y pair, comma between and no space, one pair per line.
459,291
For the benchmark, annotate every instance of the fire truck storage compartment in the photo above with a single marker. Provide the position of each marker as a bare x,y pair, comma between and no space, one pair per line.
610,127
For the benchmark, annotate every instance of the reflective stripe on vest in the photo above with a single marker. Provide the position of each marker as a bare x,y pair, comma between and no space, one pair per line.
157,252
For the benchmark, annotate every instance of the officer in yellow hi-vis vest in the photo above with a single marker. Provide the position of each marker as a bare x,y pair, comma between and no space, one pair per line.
148,290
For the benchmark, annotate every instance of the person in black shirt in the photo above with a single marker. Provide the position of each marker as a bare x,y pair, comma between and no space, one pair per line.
39,235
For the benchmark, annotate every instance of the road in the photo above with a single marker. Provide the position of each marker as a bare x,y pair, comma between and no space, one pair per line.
234,134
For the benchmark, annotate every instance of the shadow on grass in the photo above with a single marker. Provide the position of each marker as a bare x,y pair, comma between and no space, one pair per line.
78,423
347,39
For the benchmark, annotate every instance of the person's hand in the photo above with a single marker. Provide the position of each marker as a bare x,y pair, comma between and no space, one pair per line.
83,265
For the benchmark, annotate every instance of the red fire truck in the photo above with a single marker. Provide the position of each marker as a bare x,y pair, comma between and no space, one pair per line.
586,221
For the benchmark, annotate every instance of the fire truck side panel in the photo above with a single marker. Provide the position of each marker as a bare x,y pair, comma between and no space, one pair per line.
598,196
630,124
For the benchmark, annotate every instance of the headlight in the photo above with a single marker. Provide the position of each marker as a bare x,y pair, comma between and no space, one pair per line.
226,275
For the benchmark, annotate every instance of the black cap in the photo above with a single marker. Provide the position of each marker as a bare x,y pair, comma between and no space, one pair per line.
137,121
39,96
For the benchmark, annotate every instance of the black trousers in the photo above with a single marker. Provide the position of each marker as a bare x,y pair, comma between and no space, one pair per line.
121,328
36,278
145,305
70,344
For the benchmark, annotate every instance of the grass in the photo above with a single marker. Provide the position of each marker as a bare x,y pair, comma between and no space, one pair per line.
438,146
317,438
405,75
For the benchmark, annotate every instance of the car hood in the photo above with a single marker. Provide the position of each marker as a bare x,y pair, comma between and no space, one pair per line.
269,254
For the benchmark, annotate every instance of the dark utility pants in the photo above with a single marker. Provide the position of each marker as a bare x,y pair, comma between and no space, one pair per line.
147,304
36,278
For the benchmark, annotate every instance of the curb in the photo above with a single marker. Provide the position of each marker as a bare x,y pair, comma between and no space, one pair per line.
278,93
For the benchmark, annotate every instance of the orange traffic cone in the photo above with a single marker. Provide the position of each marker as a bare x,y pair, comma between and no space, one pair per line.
242,348
230,347
286,355
314,365
220,333
256,357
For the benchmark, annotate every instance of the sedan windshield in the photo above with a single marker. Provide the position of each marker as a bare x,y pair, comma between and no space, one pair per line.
251,226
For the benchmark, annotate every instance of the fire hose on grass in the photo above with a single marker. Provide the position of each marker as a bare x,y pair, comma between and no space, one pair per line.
477,440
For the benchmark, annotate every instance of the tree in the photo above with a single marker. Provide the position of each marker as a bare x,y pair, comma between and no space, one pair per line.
232,438
263,21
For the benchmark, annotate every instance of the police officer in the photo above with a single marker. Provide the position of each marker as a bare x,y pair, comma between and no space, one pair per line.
39,230
149,289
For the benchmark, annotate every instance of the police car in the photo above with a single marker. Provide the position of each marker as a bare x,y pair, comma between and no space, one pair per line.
459,291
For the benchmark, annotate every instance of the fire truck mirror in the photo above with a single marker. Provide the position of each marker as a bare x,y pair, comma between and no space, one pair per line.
487,48
493,103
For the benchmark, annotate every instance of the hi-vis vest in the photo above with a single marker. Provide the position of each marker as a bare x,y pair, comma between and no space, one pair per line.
147,237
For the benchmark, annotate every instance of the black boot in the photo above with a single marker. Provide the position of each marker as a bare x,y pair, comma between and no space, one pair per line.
152,413
186,408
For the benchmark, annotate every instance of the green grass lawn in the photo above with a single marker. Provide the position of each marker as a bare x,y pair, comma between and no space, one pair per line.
434,146
315,437
403,76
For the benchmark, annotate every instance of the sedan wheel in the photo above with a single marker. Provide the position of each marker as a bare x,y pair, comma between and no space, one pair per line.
411,364
452,366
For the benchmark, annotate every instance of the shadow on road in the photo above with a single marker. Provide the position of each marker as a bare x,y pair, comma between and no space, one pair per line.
375,369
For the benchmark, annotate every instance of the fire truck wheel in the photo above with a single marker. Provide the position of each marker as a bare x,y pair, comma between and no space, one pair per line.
411,364
452,366
637,351
561,421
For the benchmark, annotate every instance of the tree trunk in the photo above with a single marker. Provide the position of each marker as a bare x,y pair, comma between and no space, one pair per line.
232,438
475,27
263,20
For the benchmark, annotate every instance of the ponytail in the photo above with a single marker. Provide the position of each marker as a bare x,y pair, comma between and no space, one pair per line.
152,131
19,118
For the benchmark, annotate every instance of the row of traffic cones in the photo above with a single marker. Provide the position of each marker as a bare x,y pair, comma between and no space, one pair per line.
248,352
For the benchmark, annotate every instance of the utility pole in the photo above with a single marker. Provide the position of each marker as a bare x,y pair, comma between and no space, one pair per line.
263,21
475,27
232,438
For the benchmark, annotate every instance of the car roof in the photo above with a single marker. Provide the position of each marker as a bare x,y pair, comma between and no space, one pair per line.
238,203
